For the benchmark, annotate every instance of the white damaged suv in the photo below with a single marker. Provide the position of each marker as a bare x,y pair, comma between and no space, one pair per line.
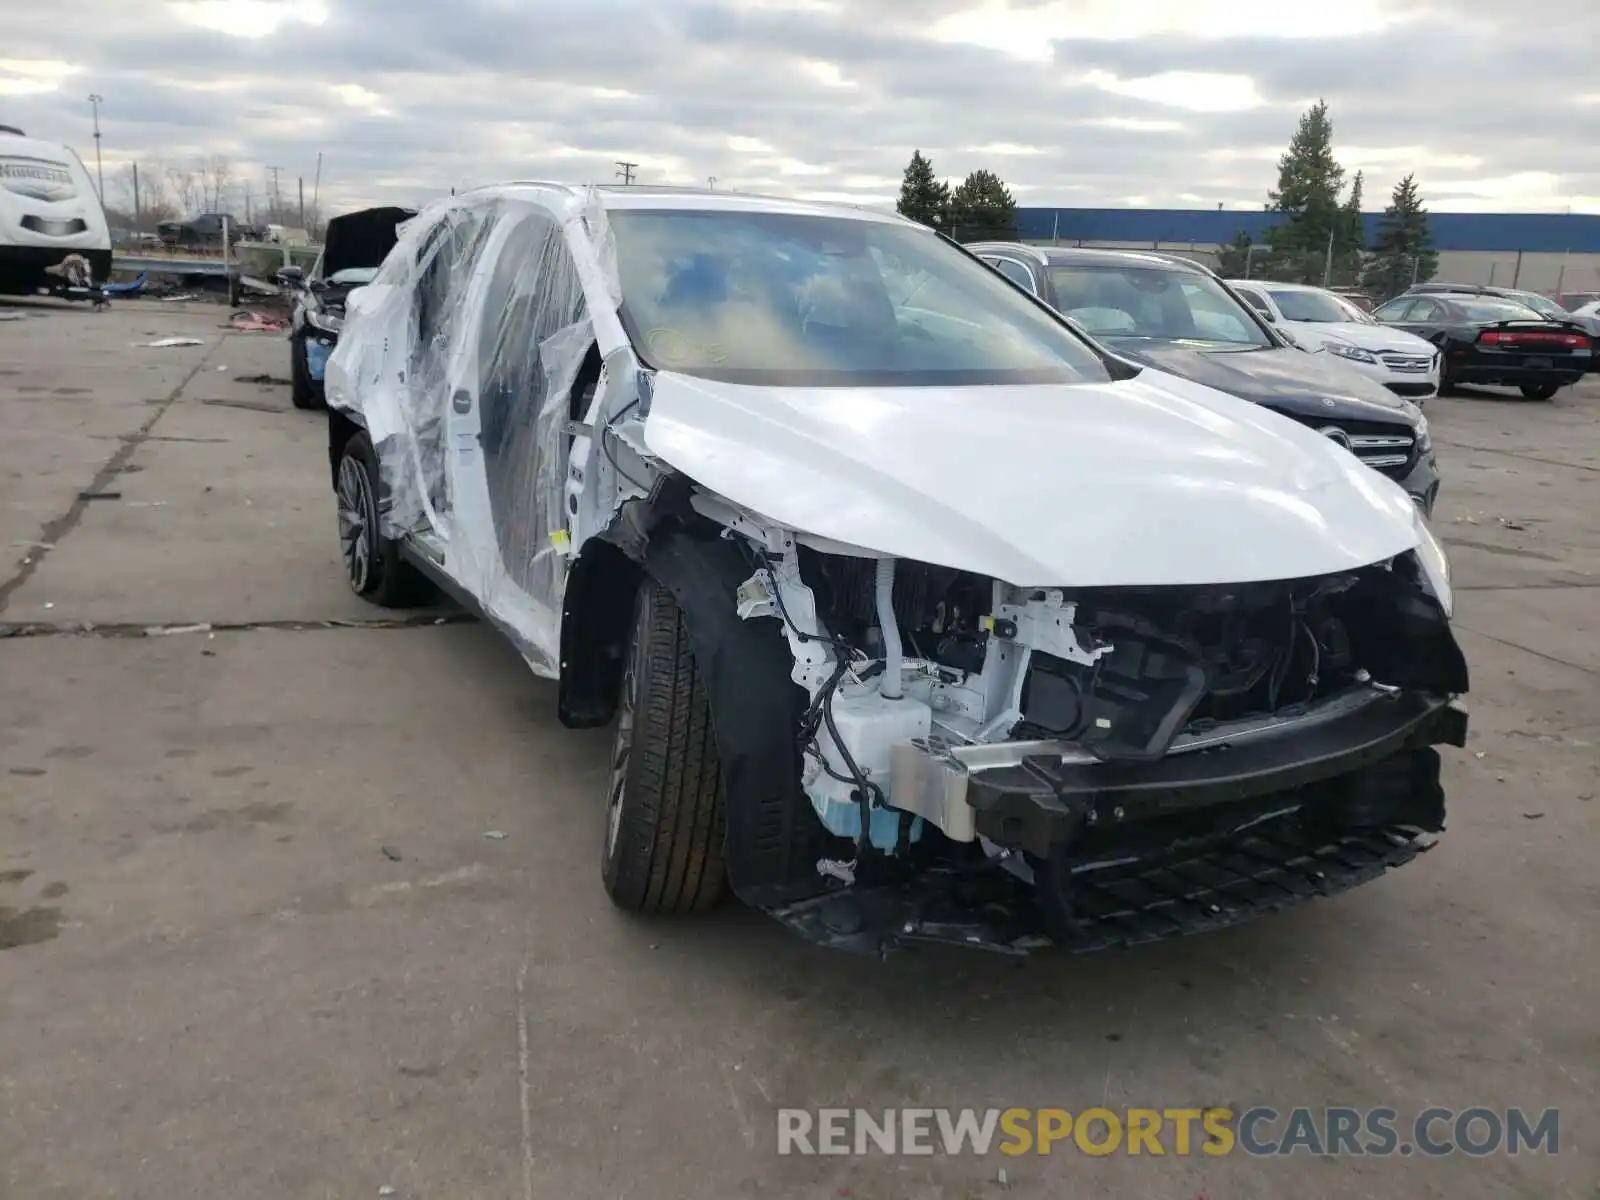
918,614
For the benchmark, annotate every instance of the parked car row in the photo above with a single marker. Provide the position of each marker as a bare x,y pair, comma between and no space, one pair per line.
1485,338
923,606
1173,314
1476,334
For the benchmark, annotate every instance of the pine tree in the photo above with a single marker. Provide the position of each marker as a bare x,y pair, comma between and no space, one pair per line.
1233,262
1351,250
1309,182
1404,252
922,196
982,208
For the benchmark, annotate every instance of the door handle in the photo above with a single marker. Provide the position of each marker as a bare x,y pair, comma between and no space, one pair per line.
461,401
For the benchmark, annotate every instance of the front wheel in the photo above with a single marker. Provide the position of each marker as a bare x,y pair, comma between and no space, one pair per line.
665,813
1540,391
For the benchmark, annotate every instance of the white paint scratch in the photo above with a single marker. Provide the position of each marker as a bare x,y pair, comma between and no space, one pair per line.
745,1129
522,1083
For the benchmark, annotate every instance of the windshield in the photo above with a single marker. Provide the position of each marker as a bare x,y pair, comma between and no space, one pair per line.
355,275
1353,311
1318,307
1163,304
795,301
1542,304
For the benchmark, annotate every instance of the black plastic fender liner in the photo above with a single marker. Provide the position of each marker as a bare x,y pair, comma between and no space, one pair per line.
597,609
773,835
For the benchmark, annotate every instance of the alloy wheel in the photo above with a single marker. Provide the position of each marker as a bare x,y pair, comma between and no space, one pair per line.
356,523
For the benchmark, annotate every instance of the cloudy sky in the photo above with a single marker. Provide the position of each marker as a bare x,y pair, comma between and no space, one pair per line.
1163,103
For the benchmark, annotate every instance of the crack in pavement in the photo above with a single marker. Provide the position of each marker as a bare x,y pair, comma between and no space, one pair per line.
1545,585
1551,462
127,629
1529,650
54,530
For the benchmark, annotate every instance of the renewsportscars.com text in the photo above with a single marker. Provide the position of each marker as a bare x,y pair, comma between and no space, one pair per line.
1258,1131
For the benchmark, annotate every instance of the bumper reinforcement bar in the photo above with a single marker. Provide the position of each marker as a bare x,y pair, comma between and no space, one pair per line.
1044,802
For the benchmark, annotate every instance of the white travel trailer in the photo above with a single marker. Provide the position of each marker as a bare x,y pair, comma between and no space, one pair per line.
48,210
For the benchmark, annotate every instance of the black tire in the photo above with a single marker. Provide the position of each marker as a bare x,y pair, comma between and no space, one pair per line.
665,814
1446,386
303,389
374,566
1540,391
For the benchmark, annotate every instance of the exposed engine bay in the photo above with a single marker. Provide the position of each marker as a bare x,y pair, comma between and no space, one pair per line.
959,720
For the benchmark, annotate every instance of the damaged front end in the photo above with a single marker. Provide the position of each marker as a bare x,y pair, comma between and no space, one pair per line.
775,539
1005,767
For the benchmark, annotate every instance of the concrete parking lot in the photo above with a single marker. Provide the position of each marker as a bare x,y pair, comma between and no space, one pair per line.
257,941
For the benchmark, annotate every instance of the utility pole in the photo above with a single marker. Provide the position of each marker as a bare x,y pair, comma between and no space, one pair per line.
302,181
277,202
137,223
316,188
95,101
626,172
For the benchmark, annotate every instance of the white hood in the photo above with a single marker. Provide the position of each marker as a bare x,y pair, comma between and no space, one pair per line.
1367,337
1150,481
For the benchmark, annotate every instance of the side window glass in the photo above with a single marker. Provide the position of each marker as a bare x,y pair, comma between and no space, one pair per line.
1256,301
1424,310
1017,273
445,262
433,260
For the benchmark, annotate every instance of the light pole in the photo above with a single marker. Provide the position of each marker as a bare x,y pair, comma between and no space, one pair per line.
95,101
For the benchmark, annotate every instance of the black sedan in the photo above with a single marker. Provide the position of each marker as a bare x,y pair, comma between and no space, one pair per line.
1494,340
1178,317
353,248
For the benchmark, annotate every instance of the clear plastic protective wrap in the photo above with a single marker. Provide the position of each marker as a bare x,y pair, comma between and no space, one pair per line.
472,349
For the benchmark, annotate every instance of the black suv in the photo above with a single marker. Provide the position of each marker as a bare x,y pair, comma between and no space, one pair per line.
1177,316
353,248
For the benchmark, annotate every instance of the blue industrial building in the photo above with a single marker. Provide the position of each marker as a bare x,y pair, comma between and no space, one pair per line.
1532,233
